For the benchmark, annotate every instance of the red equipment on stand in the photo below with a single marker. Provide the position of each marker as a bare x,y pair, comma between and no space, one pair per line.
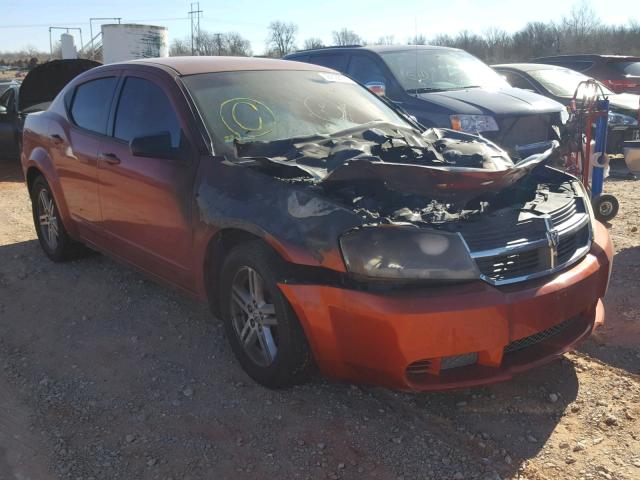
589,110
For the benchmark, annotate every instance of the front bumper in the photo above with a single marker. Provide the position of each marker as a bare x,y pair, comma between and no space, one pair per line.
404,339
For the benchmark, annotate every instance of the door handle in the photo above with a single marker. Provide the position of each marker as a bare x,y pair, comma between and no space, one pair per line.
57,139
110,158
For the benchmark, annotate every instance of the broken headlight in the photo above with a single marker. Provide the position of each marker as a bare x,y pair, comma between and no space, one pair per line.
474,123
407,253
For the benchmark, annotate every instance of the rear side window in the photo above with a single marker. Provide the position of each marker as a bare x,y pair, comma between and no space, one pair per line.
145,110
91,104
6,100
336,61
365,69
631,69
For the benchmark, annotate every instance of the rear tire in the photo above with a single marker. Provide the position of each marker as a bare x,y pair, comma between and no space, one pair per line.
53,238
262,328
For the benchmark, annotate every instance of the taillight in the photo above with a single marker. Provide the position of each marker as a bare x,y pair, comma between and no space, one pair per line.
621,85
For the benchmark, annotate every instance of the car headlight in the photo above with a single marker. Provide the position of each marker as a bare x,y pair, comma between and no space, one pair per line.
621,119
474,123
407,253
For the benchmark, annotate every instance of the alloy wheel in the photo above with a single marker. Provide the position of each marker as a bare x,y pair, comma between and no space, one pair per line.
254,317
48,219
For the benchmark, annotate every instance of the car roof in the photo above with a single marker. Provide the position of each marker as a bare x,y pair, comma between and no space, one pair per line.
204,64
528,67
372,48
588,56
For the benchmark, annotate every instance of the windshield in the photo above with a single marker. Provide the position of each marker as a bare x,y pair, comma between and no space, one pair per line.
562,82
423,70
629,69
278,105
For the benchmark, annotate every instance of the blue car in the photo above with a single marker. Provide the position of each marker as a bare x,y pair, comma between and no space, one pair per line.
449,88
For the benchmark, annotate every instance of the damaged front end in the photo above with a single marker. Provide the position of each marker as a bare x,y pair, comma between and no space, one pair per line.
437,207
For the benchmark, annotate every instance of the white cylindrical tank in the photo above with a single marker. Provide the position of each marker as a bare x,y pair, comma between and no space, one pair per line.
68,47
128,41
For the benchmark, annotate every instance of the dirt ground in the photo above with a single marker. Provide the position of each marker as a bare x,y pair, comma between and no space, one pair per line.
106,375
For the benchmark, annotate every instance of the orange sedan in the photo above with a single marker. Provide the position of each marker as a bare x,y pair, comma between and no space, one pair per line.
322,224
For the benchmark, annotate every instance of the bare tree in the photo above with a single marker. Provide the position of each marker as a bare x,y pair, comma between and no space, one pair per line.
345,36
311,43
385,40
281,39
418,39
208,43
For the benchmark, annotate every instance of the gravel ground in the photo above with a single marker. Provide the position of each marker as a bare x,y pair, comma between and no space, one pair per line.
106,375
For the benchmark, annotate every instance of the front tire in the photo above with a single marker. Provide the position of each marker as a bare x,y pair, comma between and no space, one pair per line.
262,328
53,238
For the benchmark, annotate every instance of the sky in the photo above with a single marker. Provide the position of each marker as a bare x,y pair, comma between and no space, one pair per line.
26,22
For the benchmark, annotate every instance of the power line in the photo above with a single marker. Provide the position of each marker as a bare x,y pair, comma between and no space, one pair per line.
194,15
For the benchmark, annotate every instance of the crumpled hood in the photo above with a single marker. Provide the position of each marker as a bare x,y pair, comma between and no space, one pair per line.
45,81
439,164
504,101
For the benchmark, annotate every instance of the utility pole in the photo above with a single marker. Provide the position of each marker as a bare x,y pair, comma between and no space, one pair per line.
194,15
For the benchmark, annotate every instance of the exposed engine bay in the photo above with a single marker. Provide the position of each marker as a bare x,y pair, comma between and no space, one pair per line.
390,175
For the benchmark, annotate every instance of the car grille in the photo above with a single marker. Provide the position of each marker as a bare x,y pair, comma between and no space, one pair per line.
508,248
539,337
524,130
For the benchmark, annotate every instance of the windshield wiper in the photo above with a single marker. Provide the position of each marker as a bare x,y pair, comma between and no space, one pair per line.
431,90
425,90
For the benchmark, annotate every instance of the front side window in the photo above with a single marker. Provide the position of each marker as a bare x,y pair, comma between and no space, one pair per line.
336,61
365,70
432,70
518,81
145,110
91,104
276,105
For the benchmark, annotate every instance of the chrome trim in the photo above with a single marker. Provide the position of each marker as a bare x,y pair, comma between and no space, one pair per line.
572,228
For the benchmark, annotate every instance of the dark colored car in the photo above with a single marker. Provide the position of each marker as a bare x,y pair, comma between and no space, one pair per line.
322,226
561,83
620,73
448,88
35,93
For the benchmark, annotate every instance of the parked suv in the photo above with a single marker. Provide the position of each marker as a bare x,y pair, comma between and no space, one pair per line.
561,83
447,87
620,73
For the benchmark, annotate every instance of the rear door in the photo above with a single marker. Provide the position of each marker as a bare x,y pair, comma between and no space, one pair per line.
145,201
74,148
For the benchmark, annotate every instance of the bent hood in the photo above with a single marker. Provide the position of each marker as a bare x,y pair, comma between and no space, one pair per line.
45,81
441,164
503,101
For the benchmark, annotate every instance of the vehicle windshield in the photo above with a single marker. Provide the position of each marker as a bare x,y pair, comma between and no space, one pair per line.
630,69
278,105
562,82
421,70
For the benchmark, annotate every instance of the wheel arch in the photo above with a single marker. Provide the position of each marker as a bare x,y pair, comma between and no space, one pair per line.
41,164
218,247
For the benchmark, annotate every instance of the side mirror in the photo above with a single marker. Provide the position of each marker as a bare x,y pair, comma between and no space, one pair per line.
379,88
155,146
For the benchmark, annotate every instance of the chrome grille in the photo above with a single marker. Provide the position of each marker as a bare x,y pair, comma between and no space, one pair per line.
508,250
